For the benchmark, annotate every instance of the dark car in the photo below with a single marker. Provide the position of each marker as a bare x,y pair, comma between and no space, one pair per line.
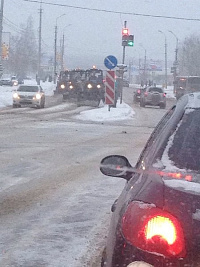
137,94
156,219
153,96
125,83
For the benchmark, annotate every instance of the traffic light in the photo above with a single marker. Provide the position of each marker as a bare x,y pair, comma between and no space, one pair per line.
125,32
127,40
130,40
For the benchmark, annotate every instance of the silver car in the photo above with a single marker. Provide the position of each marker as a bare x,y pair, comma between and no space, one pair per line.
29,95
153,96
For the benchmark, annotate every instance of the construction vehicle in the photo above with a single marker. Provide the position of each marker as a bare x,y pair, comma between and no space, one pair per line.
70,82
93,88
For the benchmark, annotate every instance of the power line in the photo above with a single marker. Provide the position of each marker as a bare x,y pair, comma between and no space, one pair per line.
114,12
13,25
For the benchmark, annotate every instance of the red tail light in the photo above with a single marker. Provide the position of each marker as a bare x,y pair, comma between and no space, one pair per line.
146,94
154,230
164,94
138,91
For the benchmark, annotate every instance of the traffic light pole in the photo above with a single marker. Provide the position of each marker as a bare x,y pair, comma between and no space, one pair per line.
122,75
1,29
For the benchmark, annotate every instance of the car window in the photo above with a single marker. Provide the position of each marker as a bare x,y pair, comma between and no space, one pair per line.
28,89
154,134
184,151
156,89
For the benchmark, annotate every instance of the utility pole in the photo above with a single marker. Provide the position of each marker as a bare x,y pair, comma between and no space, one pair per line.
39,49
165,58
175,64
55,54
62,52
165,62
55,48
1,30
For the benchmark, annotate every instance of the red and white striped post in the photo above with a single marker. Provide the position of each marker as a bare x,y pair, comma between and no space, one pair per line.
110,88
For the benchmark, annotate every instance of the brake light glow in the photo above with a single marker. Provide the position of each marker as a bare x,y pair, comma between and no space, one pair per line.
145,93
176,175
164,94
154,230
138,91
161,226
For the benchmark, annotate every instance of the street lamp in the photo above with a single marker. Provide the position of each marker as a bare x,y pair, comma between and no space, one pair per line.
165,58
62,47
1,31
55,47
176,55
145,62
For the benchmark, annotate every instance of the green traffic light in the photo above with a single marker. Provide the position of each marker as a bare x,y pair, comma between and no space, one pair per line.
130,43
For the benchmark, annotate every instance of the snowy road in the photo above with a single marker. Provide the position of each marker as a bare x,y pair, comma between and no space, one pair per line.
54,202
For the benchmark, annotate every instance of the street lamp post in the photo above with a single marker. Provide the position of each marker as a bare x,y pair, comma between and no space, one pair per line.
55,48
1,29
145,63
165,58
176,56
63,47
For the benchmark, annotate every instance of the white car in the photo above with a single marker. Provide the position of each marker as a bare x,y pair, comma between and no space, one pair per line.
29,95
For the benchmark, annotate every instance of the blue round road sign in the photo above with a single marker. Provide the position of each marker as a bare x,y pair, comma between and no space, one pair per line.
110,62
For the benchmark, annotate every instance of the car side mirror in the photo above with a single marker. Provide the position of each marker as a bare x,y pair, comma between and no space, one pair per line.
117,166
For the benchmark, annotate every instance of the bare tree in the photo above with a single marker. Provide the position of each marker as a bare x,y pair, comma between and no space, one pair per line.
23,51
189,56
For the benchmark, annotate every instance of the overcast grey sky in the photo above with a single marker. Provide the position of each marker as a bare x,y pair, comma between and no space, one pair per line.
93,35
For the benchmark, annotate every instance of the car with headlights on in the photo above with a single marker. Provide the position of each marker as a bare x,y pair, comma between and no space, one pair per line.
153,96
156,219
29,95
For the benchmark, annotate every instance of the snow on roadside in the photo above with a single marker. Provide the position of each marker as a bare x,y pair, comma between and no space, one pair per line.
121,112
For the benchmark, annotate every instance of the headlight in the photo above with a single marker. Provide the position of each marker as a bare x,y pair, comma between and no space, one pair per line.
62,86
98,86
38,96
71,87
15,83
15,95
89,86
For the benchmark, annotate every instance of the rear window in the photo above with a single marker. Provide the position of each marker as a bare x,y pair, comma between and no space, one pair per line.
185,149
182,151
28,89
156,89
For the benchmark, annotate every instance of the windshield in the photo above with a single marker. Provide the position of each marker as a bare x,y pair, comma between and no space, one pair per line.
156,89
28,89
77,75
95,75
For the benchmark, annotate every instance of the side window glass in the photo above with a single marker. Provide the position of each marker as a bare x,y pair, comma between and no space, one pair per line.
154,134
